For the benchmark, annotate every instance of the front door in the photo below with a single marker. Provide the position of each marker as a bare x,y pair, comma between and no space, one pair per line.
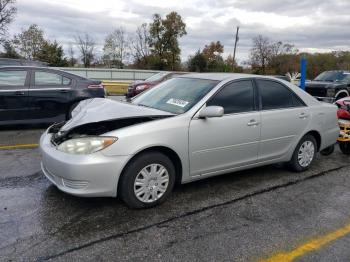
13,94
223,143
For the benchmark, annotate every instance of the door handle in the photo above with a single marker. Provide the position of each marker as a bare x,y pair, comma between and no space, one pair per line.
64,91
253,122
19,93
303,115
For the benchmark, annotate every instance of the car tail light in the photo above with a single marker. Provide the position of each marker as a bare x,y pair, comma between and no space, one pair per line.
96,86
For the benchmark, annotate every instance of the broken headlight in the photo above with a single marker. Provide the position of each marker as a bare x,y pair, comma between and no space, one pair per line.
86,145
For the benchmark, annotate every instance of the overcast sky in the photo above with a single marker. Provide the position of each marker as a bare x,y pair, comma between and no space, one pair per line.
312,25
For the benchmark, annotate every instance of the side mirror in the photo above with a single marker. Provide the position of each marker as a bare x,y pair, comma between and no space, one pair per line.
211,111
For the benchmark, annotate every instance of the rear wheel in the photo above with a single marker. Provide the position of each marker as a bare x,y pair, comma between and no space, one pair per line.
304,154
147,180
345,147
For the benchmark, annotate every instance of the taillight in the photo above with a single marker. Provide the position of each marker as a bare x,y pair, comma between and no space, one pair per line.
96,86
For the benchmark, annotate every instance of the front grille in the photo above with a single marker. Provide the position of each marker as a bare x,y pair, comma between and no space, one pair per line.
317,91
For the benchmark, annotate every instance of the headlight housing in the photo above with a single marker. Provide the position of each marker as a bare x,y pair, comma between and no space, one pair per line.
86,145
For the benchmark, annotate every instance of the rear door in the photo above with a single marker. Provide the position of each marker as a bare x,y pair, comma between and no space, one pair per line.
49,95
14,94
283,116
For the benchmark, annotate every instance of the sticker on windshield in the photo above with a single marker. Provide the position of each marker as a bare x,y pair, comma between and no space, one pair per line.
177,102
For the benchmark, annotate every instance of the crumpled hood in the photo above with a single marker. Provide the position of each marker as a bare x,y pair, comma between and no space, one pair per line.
102,109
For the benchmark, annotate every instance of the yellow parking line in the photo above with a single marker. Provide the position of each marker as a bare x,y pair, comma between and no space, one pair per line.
19,146
309,246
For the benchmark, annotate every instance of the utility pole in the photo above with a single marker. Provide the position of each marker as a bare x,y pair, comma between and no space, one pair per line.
234,50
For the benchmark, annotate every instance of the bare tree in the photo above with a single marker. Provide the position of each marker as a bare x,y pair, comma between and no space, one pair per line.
7,14
140,44
260,53
115,47
29,42
86,46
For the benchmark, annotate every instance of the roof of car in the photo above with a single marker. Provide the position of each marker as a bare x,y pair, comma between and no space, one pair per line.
220,76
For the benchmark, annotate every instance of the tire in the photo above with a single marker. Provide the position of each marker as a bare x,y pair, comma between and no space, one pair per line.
300,165
345,147
341,95
328,150
154,190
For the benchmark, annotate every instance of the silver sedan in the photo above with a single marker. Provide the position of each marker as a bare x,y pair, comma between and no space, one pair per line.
187,128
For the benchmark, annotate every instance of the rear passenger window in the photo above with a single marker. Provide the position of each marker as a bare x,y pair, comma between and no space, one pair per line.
46,78
275,95
236,97
13,78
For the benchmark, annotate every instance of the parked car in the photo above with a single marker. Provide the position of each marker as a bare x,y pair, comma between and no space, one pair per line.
329,86
186,128
138,87
41,95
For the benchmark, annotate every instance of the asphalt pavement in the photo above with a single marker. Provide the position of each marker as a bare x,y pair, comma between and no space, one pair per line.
246,216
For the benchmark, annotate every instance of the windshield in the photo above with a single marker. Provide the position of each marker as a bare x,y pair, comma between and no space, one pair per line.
176,95
156,77
333,76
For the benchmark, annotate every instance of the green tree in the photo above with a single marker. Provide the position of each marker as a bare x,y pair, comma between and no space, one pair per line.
29,42
9,51
209,60
164,35
52,54
197,63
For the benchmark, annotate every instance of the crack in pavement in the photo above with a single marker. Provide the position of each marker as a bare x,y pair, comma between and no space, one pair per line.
190,213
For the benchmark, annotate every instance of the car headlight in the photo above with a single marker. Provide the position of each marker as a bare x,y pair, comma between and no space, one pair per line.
86,145
141,87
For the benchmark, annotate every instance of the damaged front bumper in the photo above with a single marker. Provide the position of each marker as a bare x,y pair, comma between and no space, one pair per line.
92,175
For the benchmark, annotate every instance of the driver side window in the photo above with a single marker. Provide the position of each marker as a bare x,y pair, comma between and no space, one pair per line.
236,97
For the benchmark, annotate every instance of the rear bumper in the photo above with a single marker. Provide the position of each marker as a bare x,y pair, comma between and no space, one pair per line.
94,175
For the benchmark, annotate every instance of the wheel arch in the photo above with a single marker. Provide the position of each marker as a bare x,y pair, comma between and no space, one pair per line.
173,156
341,94
317,137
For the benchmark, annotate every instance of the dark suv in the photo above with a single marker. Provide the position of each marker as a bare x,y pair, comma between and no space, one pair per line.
41,95
329,85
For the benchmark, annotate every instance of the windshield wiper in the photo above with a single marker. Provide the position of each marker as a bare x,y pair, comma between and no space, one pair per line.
145,106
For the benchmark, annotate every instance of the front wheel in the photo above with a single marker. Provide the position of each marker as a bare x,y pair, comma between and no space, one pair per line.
304,154
147,180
